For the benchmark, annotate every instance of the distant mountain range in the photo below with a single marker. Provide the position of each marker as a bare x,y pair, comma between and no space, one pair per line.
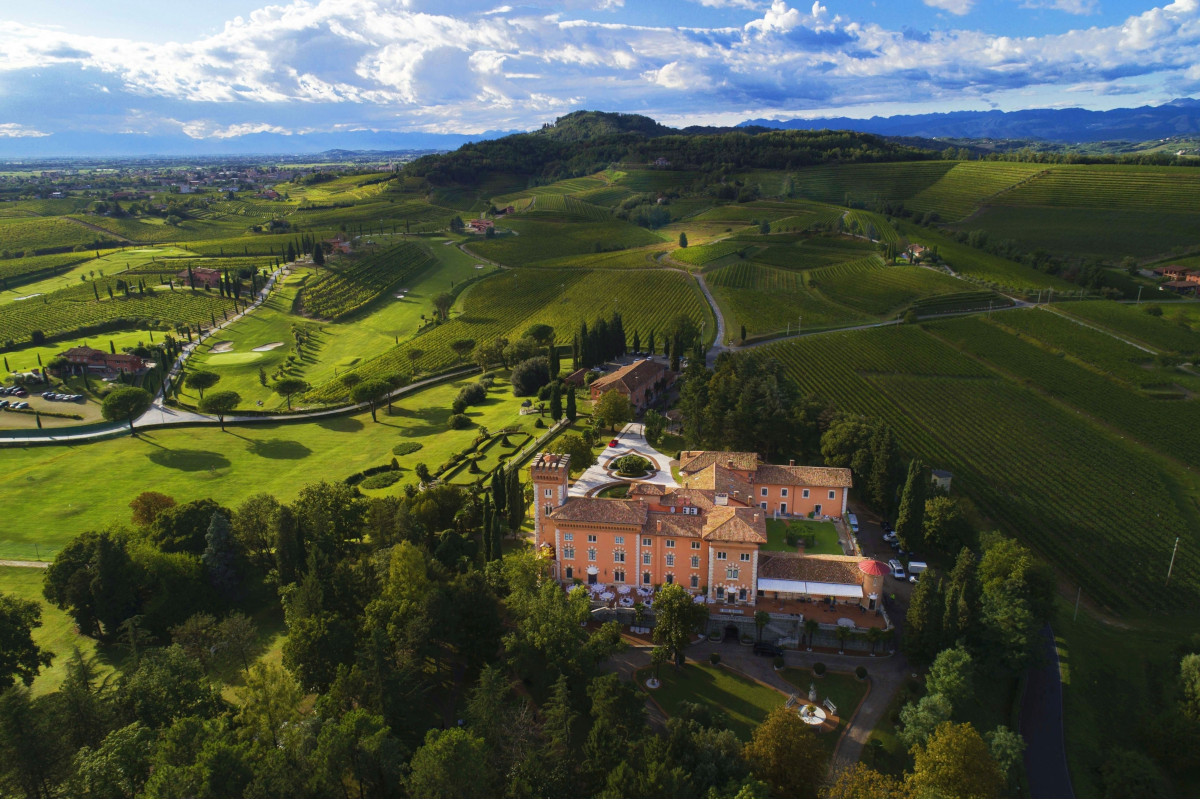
1179,117
93,145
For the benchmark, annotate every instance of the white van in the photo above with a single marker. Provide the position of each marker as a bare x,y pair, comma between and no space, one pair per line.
915,568
853,520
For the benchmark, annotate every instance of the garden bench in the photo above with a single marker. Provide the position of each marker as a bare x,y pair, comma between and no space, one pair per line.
829,704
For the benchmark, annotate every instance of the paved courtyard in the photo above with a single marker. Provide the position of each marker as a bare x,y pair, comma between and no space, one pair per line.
631,439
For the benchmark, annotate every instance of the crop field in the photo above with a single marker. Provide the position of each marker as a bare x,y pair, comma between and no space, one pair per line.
374,217
570,186
1102,352
43,208
71,309
653,180
537,240
633,258
1108,234
745,213
129,228
873,226
23,270
25,234
1168,426
349,283
865,183
1169,189
708,253
957,302
770,301
811,252
1160,333
876,289
607,196
993,270
562,207
957,193
1042,470
507,303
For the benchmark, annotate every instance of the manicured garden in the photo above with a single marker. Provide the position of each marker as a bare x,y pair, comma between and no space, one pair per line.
818,537
845,690
741,700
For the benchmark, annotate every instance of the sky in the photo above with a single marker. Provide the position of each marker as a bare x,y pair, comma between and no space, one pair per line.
219,69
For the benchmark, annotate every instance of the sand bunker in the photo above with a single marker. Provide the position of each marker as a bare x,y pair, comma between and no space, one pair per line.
221,347
269,346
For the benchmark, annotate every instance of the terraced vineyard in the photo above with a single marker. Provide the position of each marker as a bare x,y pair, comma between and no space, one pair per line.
1170,189
874,288
747,275
29,234
77,308
507,303
538,240
634,258
653,180
990,269
563,207
129,228
1132,322
1038,469
865,183
348,284
261,244
707,253
961,190
22,270
607,196
874,226
811,252
571,186
745,213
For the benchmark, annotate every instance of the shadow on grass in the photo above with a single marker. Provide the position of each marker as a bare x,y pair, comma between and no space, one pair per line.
341,424
284,449
189,460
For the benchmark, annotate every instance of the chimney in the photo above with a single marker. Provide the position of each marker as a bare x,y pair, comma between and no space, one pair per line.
756,517
791,462
729,463
660,526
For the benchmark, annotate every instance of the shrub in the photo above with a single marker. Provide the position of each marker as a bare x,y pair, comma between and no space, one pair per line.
382,480
473,394
406,448
632,465
818,669
530,375
861,672
458,422
715,658
458,406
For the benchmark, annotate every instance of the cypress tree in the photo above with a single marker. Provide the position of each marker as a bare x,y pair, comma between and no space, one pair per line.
910,521
650,345
884,456
516,500
923,623
486,529
743,333
219,558
499,481
637,342
584,355
571,412
497,539
95,291
962,599
575,353
556,406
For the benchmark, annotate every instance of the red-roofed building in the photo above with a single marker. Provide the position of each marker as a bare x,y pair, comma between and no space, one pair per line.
642,382
108,364
202,277
338,244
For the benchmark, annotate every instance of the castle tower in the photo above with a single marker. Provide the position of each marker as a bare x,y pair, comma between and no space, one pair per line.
548,473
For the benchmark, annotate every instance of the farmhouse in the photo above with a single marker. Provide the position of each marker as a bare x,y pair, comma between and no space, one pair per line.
338,244
707,536
1182,286
107,364
480,225
202,277
642,382
1172,272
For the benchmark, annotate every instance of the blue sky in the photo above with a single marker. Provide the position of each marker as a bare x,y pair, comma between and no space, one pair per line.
222,68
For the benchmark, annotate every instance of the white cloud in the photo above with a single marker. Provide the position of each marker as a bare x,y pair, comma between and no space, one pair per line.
959,7
729,3
15,130
1078,7
777,18
206,129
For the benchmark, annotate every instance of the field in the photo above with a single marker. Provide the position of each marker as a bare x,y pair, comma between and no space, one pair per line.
969,184
1038,467
507,303
1161,333
191,463
24,234
742,701
866,183
824,536
873,288
333,347
1164,189
991,270
349,283
536,240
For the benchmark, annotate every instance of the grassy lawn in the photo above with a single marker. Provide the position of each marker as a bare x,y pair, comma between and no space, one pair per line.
57,633
845,690
743,702
824,535
335,347
110,263
191,463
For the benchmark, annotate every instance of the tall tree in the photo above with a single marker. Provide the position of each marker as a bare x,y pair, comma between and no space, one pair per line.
288,387
220,404
371,391
499,480
962,600
955,762
923,633
571,412
676,620
20,658
125,404
556,406
220,556
910,520
200,380
148,505
451,763
784,753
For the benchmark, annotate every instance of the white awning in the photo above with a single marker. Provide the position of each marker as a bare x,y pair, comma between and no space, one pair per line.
811,588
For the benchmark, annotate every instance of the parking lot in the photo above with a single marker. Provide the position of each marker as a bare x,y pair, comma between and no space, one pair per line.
870,539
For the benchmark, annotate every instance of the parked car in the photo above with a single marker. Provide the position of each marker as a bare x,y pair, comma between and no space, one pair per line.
20,406
613,442
19,392
3,404
853,520
767,649
897,569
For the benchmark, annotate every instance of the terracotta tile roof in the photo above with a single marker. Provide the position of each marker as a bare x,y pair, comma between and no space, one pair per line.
694,461
81,352
683,526
601,510
716,478
649,489
815,568
777,474
631,376
730,524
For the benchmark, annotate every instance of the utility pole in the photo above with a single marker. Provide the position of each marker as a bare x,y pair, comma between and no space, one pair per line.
1139,300
1172,566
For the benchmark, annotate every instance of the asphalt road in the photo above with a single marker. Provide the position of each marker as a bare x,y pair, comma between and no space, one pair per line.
1042,726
